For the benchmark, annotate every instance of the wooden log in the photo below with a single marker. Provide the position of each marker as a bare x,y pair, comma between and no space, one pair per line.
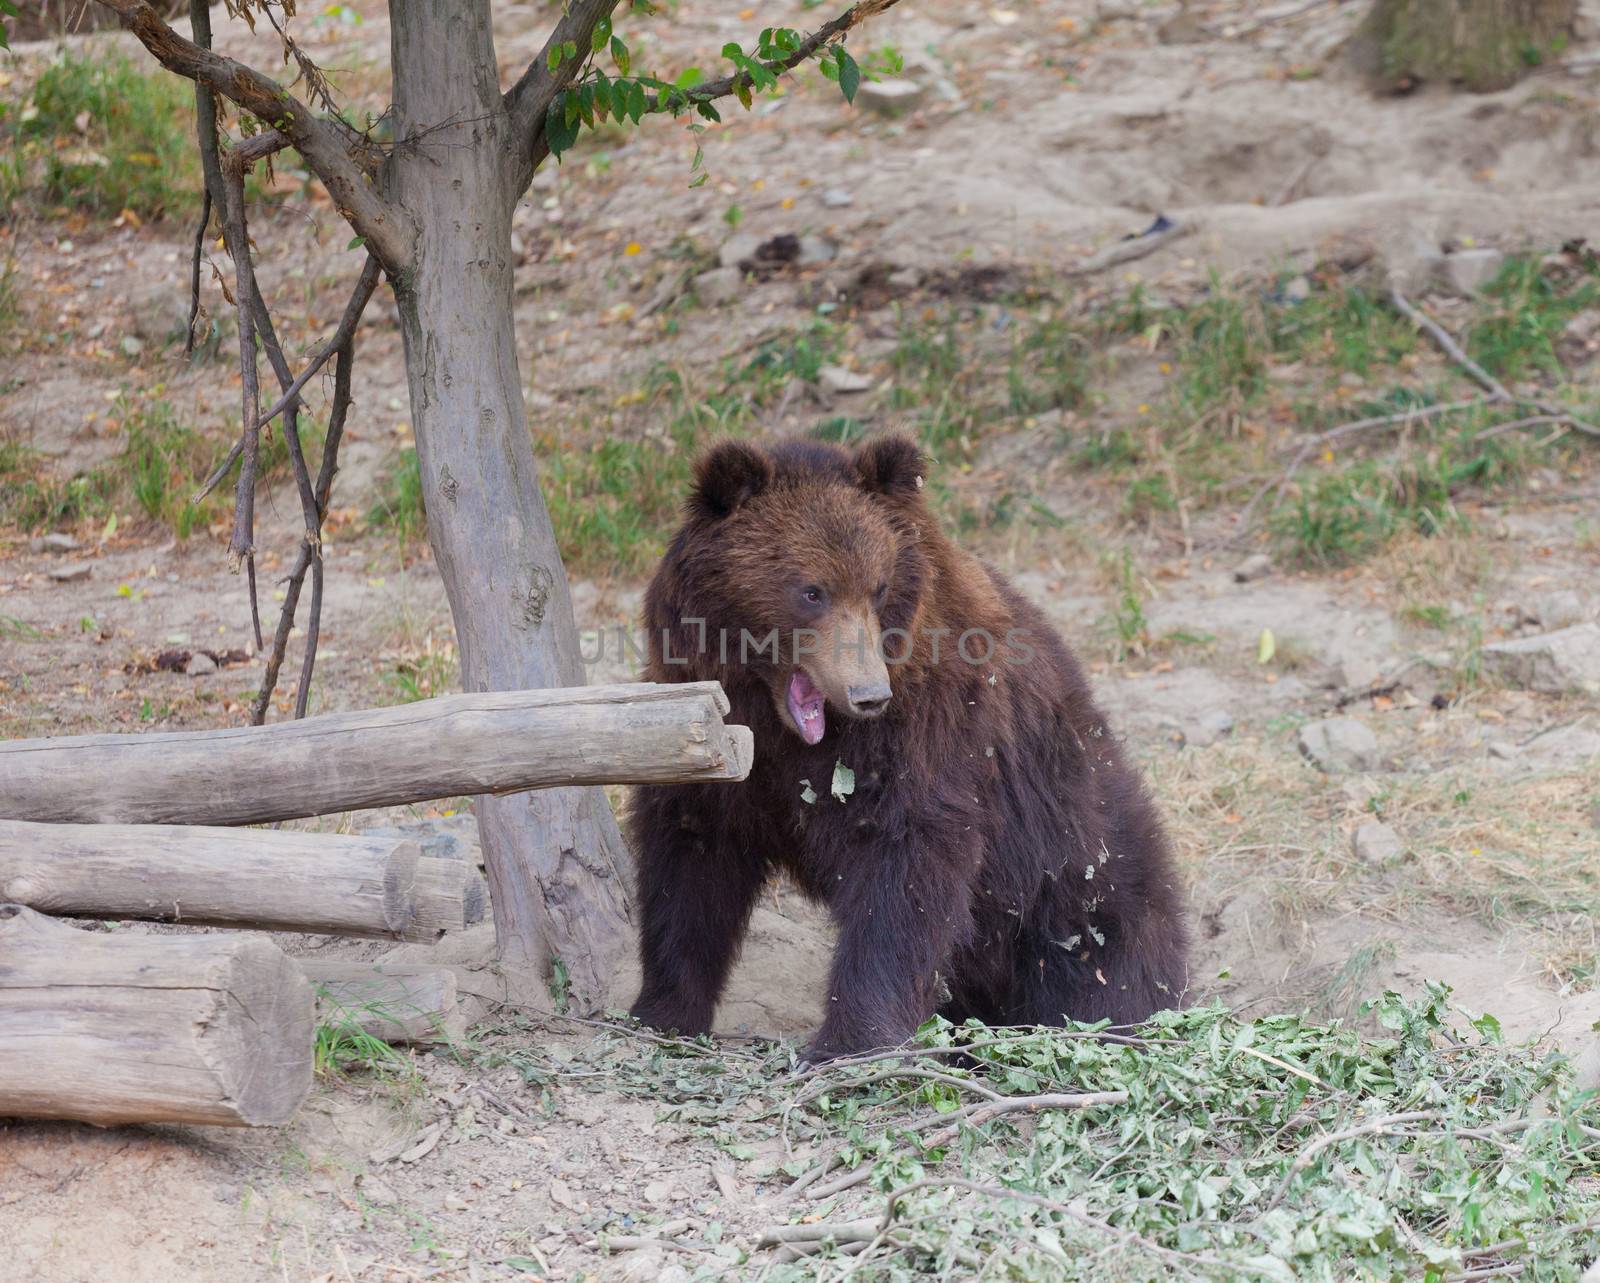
265,879
118,1027
397,1002
457,745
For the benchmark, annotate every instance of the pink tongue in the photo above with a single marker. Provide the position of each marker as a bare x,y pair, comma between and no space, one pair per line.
805,707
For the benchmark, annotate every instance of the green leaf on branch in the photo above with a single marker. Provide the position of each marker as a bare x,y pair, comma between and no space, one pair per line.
561,125
620,55
600,35
849,74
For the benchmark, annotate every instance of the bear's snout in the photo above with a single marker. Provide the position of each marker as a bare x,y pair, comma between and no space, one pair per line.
869,700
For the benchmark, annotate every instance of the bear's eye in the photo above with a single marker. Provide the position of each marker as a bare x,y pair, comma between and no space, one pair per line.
813,596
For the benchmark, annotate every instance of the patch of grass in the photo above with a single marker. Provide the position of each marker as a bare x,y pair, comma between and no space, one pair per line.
422,672
614,500
1348,514
1049,368
101,134
399,508
1526,308
1349,330
1125,625
32,499
341,1046
1222,344
162,462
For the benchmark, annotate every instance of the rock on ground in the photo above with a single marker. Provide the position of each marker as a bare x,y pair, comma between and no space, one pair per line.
1338,744
1563,662
1376,843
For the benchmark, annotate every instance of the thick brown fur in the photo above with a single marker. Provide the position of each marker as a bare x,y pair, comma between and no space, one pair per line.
997,858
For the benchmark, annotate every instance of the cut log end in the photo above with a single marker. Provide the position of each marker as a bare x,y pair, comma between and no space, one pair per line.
126,1028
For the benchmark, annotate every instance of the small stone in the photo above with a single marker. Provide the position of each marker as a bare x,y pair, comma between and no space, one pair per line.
1467,271
1376,843
1556,663
905,278
837,198
1580,337
131,345
837,379
158,312
640,1267
719,286
376,1190
1183,28
1298,290
1256,566
815,250
1359,790
1503,750
738,249
1206,730
1560,609
1338,744
55,542
658,1193
455,1203
200,664
71,572
1586,1077
890,96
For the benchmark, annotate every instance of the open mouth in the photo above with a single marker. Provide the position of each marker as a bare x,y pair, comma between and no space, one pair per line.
805,707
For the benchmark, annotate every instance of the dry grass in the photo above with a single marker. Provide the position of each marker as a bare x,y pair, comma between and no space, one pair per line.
1510,852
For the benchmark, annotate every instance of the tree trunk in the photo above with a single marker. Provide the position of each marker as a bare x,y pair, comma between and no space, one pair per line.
556,861
126,1028
263,879
1484,45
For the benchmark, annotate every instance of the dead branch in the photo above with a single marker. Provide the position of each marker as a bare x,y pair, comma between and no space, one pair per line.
1133,247
194,271
314,503
1496,390
1273,485
387,230
241,547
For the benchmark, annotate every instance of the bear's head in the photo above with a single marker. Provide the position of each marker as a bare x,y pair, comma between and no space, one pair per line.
806,563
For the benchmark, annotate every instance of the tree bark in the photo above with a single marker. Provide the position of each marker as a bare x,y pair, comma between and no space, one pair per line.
1483,45
556,860
263,879
634,733
127,1028
398,1002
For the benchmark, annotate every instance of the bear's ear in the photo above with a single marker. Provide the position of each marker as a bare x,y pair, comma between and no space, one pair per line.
892,466
726,476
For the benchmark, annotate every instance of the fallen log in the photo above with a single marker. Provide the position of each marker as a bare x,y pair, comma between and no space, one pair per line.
264,879
457,745
397,1002
117,1027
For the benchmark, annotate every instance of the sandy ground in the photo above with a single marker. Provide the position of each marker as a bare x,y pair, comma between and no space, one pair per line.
1047,132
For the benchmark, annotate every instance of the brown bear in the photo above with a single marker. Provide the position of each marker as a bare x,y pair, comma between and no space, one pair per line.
993,855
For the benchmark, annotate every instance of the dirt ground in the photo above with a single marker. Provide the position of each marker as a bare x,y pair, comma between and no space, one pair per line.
1048,130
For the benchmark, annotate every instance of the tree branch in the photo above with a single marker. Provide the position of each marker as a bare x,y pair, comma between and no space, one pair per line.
529,99
387,231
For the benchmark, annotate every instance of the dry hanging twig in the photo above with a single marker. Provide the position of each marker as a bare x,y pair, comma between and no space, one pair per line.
224,189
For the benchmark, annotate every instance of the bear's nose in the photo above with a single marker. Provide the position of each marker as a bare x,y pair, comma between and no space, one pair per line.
870,700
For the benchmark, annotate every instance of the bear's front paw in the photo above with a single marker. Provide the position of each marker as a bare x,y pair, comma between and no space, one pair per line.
671,1018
